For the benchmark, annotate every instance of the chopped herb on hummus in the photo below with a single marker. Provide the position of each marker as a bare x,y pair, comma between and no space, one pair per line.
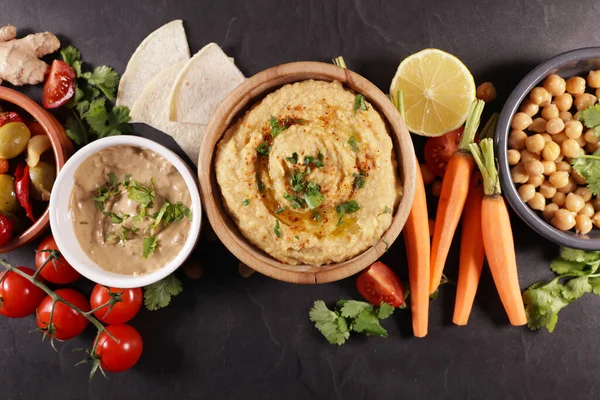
312,195
170,213
316,216
293,159
352,143
295,201
386,210
141,194
359,179
264,149
359,103
106,192
276,128
280,210
318,162
277,229
246,202
259,184
117,218
150,244
348,207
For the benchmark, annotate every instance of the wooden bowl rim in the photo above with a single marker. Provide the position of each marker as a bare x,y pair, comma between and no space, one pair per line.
61,146
244,96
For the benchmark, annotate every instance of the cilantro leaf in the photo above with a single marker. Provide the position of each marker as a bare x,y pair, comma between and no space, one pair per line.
170,213
159,294
386,210
293,159
297,182
104,78
106,192
318,162
149,246
591,116
329,323
295,201
348,207
588,166
75,131
277,229
576,287
141,194
316,215
579,255
313,196
543,301
245,202
276,128
368,323
595,283
352,143
561,266
359,103
72,56
117,218
359,179
264,149
280,210
259,184
385,310
352,308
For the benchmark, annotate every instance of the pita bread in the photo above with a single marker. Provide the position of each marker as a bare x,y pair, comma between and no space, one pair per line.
164,47
206,79
152,108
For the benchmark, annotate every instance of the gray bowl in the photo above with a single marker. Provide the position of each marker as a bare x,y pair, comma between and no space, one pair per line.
576,62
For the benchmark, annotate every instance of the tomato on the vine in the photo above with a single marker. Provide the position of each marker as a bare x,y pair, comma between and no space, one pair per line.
438,150
119,357
56,268
18,297
66,322
7,229
378,283
59,86
122,311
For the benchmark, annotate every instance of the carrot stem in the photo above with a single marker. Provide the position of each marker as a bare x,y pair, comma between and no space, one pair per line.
472,124
490,127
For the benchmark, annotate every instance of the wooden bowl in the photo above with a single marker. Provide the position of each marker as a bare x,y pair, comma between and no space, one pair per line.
244,96
61,146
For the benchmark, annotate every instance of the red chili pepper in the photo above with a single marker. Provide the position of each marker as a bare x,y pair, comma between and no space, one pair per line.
9,116
22,189
7,229
3,166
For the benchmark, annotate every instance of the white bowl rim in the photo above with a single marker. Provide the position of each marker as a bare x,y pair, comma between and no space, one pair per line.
88,268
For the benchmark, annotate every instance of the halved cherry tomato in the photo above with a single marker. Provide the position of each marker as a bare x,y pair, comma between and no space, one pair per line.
59,86
57,269
35,128
19,297
378,284
4,166
121,312
22,189
9,116
66,322
119,357
7,229
438,150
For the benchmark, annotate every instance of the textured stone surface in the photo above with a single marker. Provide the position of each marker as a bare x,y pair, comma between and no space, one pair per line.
235,338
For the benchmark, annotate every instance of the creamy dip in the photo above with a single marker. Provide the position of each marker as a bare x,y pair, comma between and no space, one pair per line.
130,210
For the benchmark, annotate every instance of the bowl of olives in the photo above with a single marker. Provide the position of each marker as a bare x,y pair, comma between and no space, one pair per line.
33,149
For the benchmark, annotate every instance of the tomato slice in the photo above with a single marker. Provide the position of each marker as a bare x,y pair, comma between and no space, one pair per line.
438,150
59,86
378,284
9,116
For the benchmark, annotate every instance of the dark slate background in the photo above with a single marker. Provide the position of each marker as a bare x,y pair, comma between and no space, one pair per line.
227,337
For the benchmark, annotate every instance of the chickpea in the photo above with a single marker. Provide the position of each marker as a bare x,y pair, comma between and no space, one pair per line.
550,111
537,202
588,210
551,151
534,167
565,116
428,176
563,220
486,92
547,137
596,204
555,85
559,159
563,102
575,85
574,202
535,143
521,121
526,192
554,126
513,156
559,179
563,166
549,167
549,211
590,136
518,174
559,199
570,148
536,180
593,79
538,125
547,190
559,138
529,108
569,187
592,147
596,220
436,188
540,96
573,129
583,224
584,193
584,100
580,180
576,116
516,139
527,155
581,142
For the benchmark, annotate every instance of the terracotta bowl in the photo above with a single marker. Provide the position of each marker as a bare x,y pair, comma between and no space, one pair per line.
61,146
244,96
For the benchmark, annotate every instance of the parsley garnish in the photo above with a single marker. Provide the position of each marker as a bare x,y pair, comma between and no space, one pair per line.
142,194
591,118
349,207
318,162
91,116
316,215
293,159
159,294
312,195
149,246
359,179
246,202
588,166
123,236
264,149
106,192
277,229
259,184
280,210
170,213
359,103
276,129
352,143
347,316
295,201
117,218
386,210
297,182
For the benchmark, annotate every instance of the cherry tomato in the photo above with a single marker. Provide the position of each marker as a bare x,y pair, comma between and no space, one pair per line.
119,357
19,297
438,151
66,322
56,270
9,116
121,312
378,284
59,86
7,229
4,166
35,128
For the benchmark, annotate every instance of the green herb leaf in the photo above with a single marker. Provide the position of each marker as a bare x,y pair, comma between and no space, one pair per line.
75,130
576,287
590,116
352,143
106,192
70,55
318,162
280,210
293,159
386,210
159,294
368,323
104,78
263,149
276,129
297,182
348,207
359,179
111,237
170,213
277,229
149,246
385,310
313,196
295,201
117,218
329,323
589,168
359,103
595,283
259,184
246,202
352,308
141,194
316,215
579,255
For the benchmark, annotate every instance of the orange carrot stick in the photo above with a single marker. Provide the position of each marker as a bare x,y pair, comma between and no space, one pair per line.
471,252
497,235
455,187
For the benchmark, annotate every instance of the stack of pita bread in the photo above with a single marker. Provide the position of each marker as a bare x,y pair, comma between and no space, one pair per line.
177,94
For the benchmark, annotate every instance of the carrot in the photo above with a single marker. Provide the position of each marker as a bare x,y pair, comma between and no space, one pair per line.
471,252
455,187
497,235
416,240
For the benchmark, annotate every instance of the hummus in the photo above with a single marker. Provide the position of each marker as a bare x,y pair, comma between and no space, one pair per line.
309,175
130,210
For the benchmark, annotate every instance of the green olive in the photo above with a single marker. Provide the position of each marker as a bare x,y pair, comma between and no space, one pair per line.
42,179
13,139
8,198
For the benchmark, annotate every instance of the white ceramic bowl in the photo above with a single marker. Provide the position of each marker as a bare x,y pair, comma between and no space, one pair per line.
62,225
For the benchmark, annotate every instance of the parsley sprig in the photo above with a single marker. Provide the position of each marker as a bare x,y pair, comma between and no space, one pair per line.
106,192
588,166
349,207
590,117
159,294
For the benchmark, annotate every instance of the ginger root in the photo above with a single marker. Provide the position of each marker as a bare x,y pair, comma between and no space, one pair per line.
19,58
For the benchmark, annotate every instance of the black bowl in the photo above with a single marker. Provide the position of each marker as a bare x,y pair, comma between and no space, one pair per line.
575,62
